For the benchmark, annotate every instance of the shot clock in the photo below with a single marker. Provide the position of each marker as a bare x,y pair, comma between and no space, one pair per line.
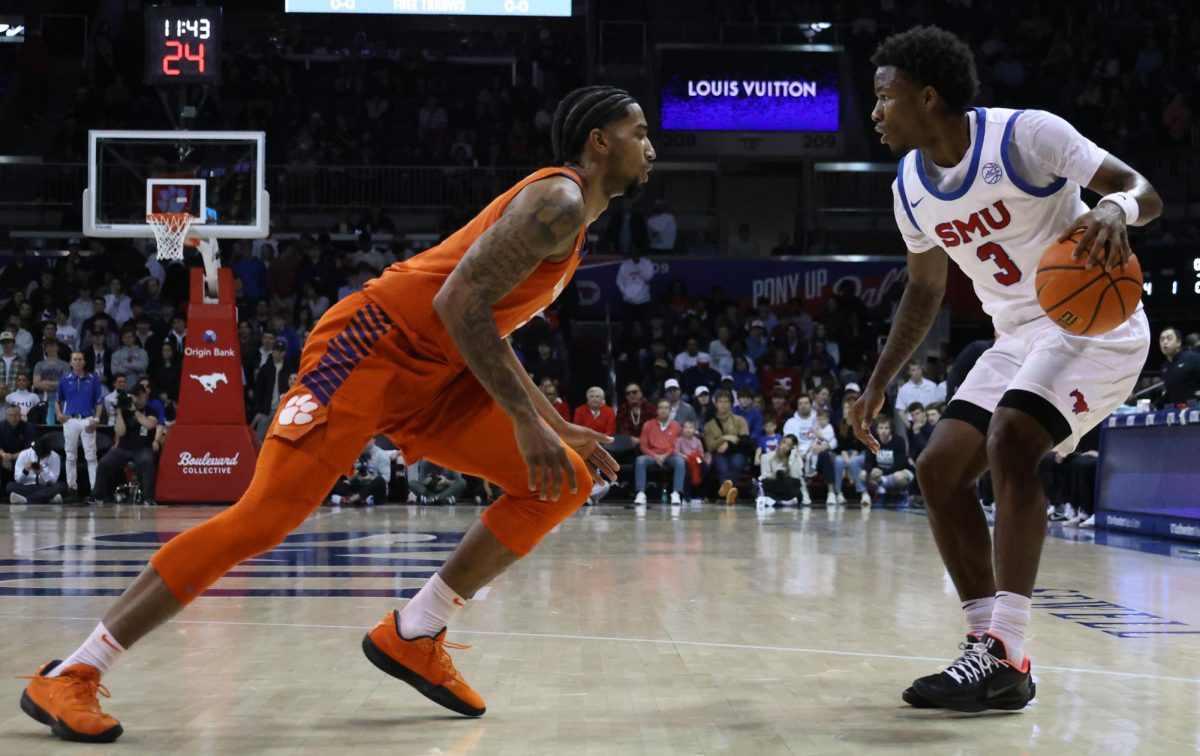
183,45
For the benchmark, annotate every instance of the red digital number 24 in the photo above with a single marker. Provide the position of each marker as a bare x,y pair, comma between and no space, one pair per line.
182,51
1009,272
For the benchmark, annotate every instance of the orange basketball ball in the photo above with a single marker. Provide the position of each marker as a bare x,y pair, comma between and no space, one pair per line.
1086,302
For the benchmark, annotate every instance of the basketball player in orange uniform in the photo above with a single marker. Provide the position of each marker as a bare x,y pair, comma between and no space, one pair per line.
991,189
419,355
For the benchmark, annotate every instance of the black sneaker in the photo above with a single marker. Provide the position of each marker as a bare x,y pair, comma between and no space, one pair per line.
982,678
914,699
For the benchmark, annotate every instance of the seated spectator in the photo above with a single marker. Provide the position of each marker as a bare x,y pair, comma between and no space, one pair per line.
917,388
754,417
781,474
850,452
691,449
130,359
1081,479
700,374
16,435
23,397
136,441
744,376
886,470
369,483
720,352
550,389
35,475
634,412
596,414
546,363
919,432
120,386
818,457
116,303
727,437
757,342
803,423
657,444
933,414
681,411
97,357
702,403
689,357
12,364
168,372
769,441
780,408
783,375
433,484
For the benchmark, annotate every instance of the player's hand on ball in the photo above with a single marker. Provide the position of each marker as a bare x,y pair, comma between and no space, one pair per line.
547,460
1103,237
862,414
588,444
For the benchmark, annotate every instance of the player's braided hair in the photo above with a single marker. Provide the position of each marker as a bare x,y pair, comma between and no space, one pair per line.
582,110
933,57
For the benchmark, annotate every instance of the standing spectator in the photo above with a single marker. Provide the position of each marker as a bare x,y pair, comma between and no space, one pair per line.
681,411
691,449
887,469
22,397
916,388
177,336
634,412
657,444
78,406
168,371
550,390
46,375
269,385
36,471
661,228
727,438
97,357
1180,370
130,359
754,417
11,363
16,435
626,231
596,414
117,303
136,432
633,281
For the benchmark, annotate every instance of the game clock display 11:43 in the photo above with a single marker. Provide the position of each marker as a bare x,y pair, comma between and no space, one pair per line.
183,45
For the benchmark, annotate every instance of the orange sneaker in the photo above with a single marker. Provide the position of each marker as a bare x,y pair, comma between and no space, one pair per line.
68,704
422,663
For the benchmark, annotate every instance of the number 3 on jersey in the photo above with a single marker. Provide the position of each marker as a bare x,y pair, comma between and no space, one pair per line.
1009,272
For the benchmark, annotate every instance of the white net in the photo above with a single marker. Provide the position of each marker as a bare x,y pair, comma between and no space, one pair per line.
170,231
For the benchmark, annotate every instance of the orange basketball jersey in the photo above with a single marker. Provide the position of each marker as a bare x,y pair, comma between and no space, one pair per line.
406,289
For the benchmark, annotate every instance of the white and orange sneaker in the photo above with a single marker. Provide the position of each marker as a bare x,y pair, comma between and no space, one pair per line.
67,704
422,663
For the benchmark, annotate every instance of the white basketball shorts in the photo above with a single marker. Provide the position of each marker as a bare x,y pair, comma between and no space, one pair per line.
1085,378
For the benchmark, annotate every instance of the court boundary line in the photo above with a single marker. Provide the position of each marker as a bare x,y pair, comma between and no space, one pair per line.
656,641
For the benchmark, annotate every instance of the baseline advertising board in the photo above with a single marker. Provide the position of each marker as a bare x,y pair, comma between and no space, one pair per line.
750,99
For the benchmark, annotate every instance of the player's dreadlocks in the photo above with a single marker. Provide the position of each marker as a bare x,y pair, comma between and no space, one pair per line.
582,110
933,57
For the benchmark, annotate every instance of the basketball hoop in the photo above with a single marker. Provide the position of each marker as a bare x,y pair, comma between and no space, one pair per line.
170,231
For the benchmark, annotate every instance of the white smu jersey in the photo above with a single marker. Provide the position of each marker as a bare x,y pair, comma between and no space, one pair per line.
998,210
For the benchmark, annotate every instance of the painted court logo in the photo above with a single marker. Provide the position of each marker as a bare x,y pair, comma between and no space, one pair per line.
210,381
298,410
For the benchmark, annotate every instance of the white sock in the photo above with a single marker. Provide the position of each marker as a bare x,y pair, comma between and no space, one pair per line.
430,610
100,650
1010,617
978,614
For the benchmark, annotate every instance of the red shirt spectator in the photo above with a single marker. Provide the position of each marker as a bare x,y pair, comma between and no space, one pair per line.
634,412
783,375
596,414
550,389
656,439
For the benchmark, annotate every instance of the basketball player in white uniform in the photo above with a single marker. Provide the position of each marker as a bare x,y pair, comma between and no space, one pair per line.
992,189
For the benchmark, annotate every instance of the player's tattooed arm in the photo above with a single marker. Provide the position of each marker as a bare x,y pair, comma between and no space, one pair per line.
918,308
541,223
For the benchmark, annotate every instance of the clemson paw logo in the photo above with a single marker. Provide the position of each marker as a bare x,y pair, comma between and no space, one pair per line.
298,410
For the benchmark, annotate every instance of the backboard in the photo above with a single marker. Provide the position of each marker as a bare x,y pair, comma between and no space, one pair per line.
216,176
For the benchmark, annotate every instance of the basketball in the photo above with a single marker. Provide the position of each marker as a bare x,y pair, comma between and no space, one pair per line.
1086,302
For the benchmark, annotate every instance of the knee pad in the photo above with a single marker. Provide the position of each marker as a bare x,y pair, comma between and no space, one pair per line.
521,521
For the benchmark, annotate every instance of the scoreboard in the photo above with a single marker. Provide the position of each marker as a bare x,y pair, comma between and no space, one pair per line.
183,45
434,7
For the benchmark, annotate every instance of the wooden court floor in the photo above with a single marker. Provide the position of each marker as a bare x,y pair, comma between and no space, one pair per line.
714,631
